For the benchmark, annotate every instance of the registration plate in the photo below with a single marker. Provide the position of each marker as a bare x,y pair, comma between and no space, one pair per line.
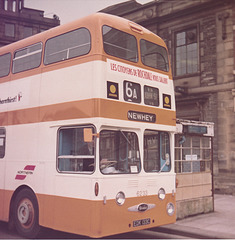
141,222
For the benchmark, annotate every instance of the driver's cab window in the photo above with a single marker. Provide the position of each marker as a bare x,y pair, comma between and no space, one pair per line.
119,152
74,154
156,151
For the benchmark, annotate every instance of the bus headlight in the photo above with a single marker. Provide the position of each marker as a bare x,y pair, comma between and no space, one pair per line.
170,209
120,198
161,194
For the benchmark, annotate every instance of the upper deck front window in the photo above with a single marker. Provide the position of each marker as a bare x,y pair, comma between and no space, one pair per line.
154,56
120,44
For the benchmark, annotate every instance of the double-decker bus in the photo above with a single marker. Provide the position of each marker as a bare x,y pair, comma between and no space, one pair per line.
87,123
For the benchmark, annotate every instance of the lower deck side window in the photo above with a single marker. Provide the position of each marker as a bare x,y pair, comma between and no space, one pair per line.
2,142
74,154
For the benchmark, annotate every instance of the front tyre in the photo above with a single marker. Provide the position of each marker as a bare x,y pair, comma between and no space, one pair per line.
26,214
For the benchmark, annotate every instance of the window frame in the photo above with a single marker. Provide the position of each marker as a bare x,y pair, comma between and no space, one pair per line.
3,136
14,30
187,145
71,157
132,168
16,58
67,50
162,162
147,101
9,69
116,55
167,63
187,29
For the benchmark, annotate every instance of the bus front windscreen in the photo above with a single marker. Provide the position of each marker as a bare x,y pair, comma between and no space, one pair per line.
119,152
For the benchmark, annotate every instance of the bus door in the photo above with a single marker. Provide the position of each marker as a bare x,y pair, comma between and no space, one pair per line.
75,166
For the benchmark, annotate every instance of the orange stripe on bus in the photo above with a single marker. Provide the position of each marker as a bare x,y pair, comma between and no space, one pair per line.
84,109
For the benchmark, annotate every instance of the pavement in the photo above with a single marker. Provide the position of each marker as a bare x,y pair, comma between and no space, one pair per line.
219,224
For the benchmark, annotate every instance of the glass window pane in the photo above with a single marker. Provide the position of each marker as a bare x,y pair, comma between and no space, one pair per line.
153,55
180,39
196,142
27,58
5,62
156,151
2,142
151,96
75,155
206,142
28,31
119,152
186,57
9,29
120,44
68,45
178,154
187,142
151,151
191,36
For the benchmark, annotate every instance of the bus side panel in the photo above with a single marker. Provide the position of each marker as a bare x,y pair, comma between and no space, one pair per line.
67,214
5,199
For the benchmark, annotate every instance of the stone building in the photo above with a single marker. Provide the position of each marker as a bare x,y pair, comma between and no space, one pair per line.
200,36
18,22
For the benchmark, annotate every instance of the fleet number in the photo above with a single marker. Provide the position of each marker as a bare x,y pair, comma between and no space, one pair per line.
142,193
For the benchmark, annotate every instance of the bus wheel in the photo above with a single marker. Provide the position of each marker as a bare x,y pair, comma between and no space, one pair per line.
26,214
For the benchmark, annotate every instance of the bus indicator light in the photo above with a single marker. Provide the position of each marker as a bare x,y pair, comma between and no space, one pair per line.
96,189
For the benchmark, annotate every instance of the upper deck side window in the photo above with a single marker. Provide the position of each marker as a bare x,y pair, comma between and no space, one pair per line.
120,44
153,55
68,45
5,63
27,58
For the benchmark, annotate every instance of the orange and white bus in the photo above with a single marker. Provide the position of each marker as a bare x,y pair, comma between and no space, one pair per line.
87,123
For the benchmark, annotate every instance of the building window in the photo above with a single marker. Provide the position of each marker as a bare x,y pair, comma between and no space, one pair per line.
20,4
28,31
14,6
6,5
192,154
186,60
9,30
